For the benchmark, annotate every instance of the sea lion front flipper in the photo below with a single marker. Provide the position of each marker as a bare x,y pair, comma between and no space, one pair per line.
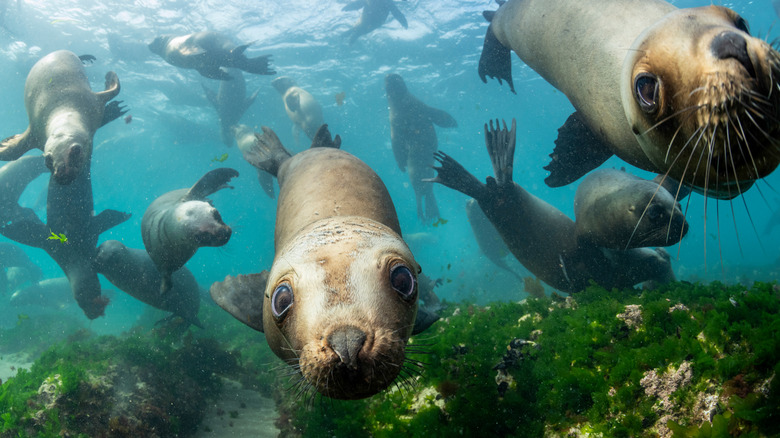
441,118
108,219
267,153
15,146
354,6
423,320
242,296
26,228
577,152
495,60
113,111
453,175
322,139
211,182
112,88
397,14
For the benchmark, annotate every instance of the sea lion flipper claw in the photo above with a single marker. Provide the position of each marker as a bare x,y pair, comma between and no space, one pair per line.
242,296
577,152
453,175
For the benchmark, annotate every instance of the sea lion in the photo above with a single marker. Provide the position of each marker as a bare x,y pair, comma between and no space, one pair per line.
210,53
540,236
301,107
414,140
488,239
179,222
12,256
15,176
617,210
133,271
52,293
245,139
340,300
231,102
374,14
64,114
686,93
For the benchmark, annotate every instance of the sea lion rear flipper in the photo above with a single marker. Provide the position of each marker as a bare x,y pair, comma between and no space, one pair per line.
15,146
495,60
212,181
242,296
87,59
259,65
441,118
577,152
322,139
501,149
108,219
267,153
423,320
453,175
398,15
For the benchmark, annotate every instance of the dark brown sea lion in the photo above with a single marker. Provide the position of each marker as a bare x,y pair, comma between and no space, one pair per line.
687,93
64,114
340,300
231,102
374,14
210,53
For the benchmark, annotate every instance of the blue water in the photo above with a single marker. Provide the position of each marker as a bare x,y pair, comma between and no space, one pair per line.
169,145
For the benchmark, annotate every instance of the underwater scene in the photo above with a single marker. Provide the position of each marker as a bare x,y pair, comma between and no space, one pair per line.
380,218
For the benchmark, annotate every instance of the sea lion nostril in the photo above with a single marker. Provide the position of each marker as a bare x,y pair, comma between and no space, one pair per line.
733,45
347,342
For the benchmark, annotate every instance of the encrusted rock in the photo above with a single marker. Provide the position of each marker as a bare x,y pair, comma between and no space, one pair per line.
632,315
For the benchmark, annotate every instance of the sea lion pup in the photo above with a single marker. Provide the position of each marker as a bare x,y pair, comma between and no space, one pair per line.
210,53
64,114
681,92
231,102
301,107
414,140
340,300
540,236
374,14
179,222
488,239
133,271
245,139
617,210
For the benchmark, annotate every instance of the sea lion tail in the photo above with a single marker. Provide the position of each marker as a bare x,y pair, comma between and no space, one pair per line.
453,175
495,60
267,153
500,144
258,66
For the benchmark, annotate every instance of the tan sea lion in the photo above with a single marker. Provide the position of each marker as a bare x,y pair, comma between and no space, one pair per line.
210,53
617,210
245,139
64,114
686,93
301,107
374,14
414,141
340,300
179,222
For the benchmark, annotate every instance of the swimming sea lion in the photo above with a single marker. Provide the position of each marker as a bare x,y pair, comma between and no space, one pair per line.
12,256
209,53
301,107
179,222
686,93
540,236
340,300
245,139
614,209
64,114
133,271
414,140
53,293
488,239
15,176
374,14
231,102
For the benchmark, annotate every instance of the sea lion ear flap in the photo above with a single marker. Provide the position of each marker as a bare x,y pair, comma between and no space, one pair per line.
322,139
211,182
424,319
242,296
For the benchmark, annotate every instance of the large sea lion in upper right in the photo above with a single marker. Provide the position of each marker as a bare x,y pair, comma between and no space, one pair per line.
374,15
687,93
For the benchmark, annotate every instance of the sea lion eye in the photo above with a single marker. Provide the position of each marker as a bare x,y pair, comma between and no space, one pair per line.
655,212
402,280
281,300
646,92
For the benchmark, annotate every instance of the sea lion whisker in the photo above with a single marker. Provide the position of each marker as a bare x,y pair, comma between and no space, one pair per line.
675,114
641,216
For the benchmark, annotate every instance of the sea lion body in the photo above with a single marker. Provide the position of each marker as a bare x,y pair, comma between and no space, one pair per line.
373,15
179,222
15,176
231,102
133,271
14,257
54,293
414,141
488,239
617,210
301,107
646,79
210,53
340,300
63,113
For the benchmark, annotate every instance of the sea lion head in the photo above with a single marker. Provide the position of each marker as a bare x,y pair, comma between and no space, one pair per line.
202,223
699,93
340,305
395,85
283,83
66,153
649,214
158,45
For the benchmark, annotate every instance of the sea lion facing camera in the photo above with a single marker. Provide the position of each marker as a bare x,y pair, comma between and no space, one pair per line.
686,93
340,300
64,114
210,53
179,222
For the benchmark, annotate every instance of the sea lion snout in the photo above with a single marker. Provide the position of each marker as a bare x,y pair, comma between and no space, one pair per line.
728,44
347,342
67,168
